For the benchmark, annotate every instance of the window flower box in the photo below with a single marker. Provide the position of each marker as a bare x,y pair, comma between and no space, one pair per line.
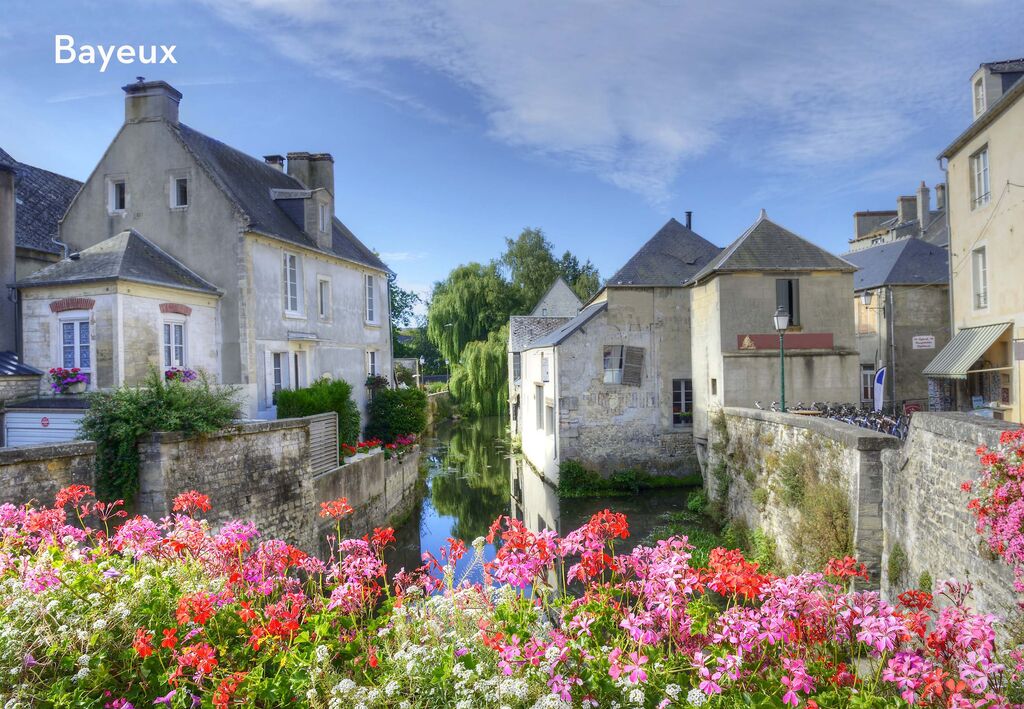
68,381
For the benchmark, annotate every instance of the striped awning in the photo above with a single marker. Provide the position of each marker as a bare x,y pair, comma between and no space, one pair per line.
960,353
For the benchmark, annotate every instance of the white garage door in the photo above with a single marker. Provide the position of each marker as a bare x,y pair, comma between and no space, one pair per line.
26,428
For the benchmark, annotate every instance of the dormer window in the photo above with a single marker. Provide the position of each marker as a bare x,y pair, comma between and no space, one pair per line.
979,96
325,219
117,195
179,192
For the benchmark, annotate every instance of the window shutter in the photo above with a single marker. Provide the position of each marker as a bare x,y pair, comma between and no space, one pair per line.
782,294
633,367
794,316
268,378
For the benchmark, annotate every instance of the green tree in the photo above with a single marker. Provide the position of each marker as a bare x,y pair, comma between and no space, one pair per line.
480,380
531,267
403,303
583,279
473,301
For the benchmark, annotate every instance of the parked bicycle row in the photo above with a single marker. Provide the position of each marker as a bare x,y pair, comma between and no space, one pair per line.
889,420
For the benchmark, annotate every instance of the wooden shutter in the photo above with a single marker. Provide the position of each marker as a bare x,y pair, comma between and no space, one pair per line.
782,294
794,315
323,442
633,366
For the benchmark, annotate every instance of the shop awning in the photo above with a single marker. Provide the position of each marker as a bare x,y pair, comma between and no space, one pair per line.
960,353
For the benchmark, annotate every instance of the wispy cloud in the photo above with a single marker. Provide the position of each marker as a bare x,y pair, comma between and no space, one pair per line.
399,256
631,92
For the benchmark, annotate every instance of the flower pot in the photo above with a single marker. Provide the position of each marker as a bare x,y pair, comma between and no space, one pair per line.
75,388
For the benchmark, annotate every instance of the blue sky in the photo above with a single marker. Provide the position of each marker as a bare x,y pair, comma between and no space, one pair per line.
456,124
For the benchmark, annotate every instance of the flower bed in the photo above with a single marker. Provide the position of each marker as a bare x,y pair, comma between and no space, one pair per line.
64,380
172,614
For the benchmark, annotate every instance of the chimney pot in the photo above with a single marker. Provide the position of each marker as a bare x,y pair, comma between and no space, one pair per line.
276,161
924,205
150,101
689,219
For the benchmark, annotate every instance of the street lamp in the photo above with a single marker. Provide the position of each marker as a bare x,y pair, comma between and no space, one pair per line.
781,319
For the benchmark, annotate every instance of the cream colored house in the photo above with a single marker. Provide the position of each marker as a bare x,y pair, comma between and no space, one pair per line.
980,369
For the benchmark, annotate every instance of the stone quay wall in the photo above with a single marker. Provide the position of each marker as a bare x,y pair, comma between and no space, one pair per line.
749,452
261,471
38,472
926,516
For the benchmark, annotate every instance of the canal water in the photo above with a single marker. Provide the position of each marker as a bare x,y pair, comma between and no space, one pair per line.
472,479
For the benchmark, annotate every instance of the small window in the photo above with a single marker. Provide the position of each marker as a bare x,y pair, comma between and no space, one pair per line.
714,387
545,368
291,283
371,363
325,220
538,392
323,298
179,192
867,382
682,401
979,267
979,97
278,371
613,364
549,419
75,351
371,300
174,344
787,295
980,194
117,195
517,366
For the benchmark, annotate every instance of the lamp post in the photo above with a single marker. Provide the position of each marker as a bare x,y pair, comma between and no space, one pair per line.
781,319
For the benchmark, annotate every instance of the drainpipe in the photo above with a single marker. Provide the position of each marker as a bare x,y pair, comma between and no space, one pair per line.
892,344
949,257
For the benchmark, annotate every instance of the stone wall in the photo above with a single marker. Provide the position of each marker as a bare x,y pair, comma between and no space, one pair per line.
439,406
755,454
38,472
17,387
926,511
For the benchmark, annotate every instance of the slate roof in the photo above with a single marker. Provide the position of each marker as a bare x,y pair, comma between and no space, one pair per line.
899,263
247,182
1007,66
11,366
766,246
127,256
523,330
41,197
669,258
556,336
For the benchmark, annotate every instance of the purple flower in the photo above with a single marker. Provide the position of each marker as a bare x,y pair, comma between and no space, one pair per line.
166,699
112,573
29,661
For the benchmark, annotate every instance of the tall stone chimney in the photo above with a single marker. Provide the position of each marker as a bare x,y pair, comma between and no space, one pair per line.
150,101
924,206
316,172
906,208
940,196
8,308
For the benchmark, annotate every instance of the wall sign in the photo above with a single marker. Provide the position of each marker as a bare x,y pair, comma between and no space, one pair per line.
923,342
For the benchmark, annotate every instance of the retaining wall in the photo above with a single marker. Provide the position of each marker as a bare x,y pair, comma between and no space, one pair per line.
753,445
38,472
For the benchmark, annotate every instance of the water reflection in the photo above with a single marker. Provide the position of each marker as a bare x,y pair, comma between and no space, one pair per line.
472,479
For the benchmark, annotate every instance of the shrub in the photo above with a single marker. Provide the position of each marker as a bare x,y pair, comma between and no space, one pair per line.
795,468
762,550
897,565
924,582
823,531
760,496
116,419
574,480
697,501
435,387
320,397
396,412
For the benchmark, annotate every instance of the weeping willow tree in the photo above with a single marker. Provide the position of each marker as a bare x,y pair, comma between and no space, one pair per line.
480,380
473,301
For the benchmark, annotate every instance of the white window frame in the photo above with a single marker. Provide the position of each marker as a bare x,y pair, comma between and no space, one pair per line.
280,366
112,183
867,382
979,278
323,303
76,317
169,325
291,266
323,217
371,312
372,365
979,96
613,375
174,180
980,182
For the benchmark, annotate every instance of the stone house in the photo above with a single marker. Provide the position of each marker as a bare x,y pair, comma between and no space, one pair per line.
188,252
913,217
32,201
901,312
559,305
611,388
734,344
980,369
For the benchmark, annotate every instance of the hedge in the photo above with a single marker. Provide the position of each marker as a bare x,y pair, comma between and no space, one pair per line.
322,396
396,412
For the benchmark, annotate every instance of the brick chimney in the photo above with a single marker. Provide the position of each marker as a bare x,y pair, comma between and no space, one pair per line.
924,206
150,101
906,208
8,309
316,172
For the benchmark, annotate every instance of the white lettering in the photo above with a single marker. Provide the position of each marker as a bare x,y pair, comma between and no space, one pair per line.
64,43
106,54
64,52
